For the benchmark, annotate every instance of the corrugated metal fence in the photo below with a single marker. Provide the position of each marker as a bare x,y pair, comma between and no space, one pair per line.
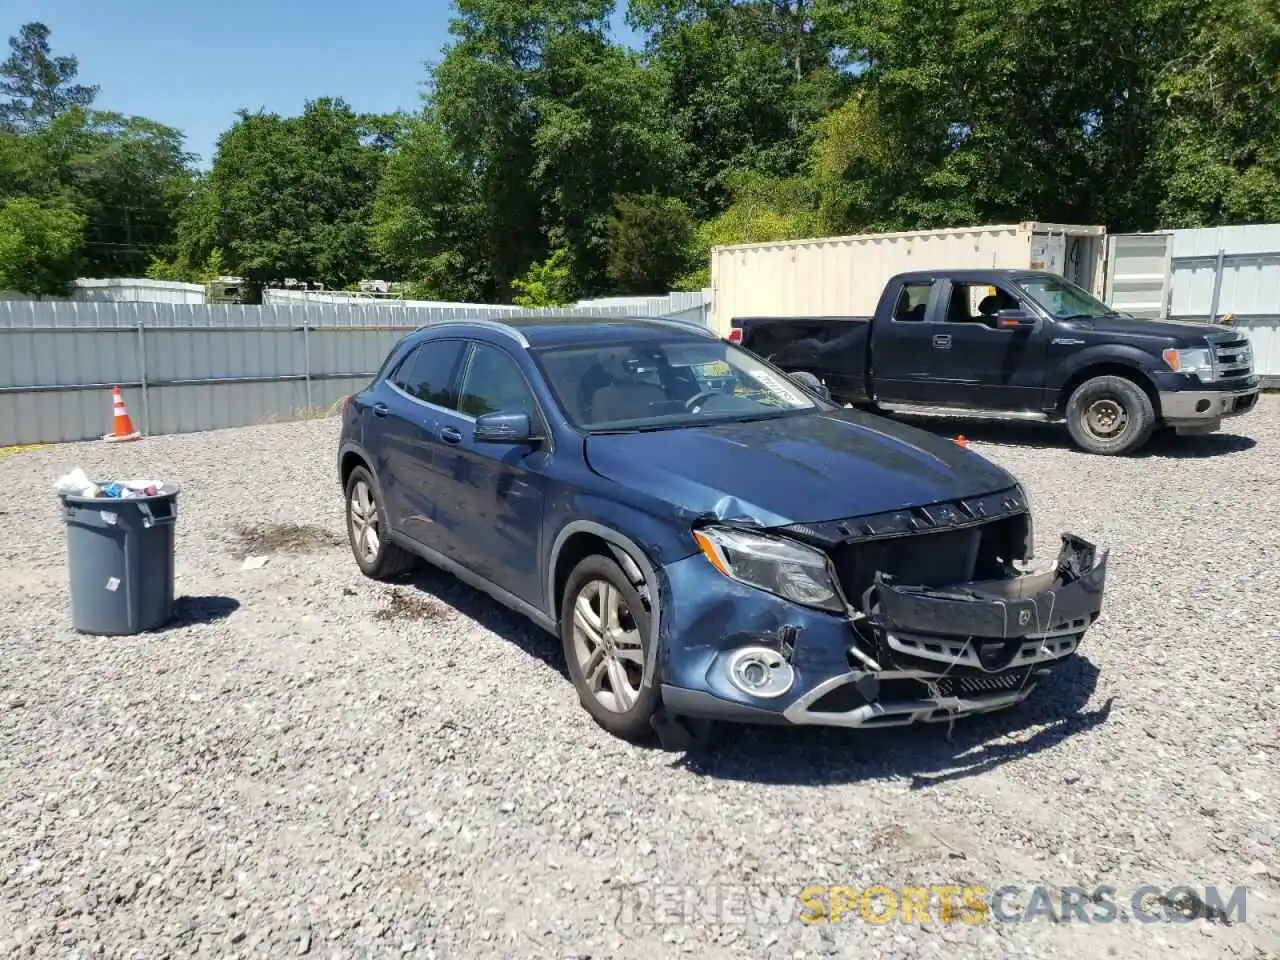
188,367
1203,274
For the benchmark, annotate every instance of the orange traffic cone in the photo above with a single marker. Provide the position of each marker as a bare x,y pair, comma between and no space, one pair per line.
124,429
961,441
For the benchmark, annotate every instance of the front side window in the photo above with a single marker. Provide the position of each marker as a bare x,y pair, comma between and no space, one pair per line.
978,303
666,383
494,384
913,301
428,373
1062,299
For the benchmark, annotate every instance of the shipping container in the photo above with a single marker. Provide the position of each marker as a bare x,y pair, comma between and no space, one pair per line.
136,290
844,276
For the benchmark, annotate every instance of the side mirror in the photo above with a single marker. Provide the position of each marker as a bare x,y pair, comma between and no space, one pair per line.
500,427
1014,319
811,383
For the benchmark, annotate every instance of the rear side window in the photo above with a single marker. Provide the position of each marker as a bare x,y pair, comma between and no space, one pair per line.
428,372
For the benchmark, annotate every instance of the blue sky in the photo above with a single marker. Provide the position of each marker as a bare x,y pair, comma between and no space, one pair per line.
193,64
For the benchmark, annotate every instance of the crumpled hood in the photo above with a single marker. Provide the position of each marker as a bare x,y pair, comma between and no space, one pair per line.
799,469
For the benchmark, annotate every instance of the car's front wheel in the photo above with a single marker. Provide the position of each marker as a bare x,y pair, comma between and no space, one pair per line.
376,554
604,626
1110,415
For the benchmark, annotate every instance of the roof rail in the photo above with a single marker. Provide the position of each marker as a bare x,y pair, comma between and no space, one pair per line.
494,325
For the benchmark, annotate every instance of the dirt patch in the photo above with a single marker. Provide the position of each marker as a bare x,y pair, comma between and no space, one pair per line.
404,606
283,538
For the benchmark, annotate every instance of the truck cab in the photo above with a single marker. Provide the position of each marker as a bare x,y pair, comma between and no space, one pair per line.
1019,343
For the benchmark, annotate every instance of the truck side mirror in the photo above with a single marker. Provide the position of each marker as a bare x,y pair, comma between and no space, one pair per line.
1014,319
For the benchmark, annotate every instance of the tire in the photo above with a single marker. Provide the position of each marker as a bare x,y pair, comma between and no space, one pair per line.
629,717
390,560
1101,401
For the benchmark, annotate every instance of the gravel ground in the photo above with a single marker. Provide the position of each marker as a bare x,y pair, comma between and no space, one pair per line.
311,763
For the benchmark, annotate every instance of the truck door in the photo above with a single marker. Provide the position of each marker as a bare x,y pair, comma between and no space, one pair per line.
982,366
904,341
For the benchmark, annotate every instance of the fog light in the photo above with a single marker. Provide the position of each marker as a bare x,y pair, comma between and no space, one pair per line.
761,672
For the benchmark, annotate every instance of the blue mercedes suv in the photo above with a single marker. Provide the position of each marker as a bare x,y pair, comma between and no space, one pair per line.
709,537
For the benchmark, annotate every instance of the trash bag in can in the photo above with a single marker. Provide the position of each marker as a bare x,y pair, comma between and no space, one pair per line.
120,558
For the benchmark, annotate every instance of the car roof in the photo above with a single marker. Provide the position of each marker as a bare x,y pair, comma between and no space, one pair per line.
978,275
555,331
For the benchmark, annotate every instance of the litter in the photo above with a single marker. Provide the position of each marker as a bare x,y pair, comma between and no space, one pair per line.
77,484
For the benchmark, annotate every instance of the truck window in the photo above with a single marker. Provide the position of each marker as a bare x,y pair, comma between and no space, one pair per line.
977,303
912,301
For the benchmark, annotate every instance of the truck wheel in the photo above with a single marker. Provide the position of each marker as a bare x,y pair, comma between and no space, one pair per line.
1110,415
604,626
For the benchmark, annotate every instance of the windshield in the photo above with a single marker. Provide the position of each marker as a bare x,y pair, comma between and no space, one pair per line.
1062,298
656,383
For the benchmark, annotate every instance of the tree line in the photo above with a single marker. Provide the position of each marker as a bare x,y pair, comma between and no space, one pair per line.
547,162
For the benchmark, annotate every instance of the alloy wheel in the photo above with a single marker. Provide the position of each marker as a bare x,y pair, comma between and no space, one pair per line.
364,522
607,645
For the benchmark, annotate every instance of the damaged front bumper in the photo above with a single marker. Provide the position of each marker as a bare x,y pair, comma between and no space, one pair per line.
918,654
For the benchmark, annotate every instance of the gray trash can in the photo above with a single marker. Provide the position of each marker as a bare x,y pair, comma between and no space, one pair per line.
120,557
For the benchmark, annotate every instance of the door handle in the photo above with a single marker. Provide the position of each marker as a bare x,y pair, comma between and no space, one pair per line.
450,435
379,409
942,341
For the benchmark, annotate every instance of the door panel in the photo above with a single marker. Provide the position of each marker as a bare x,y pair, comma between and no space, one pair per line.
984,367
904,345
422,390
492,516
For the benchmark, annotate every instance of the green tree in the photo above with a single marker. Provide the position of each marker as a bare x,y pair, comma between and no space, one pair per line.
427,218
40,246
1219,137
548,283
973,111
291,197
554,120
40,87
764,208
746,80
649,239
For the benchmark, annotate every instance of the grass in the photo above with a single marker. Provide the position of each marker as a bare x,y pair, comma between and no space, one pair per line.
22,448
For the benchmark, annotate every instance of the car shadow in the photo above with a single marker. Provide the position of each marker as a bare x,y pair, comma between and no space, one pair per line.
925,755
820,756
491,615
1054,436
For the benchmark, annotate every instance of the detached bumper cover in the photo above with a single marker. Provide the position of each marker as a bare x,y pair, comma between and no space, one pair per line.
933,654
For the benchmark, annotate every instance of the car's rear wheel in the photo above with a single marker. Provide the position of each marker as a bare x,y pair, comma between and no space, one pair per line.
376,554
604,626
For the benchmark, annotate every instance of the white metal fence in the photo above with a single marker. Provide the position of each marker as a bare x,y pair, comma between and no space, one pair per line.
1203,275
188,367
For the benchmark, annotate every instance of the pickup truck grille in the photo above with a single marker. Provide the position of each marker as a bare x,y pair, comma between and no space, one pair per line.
1233,359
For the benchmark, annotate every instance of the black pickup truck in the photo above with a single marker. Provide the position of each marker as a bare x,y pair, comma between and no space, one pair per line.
1018,343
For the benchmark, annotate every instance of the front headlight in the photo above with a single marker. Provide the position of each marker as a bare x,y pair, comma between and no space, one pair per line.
782,567
1197,360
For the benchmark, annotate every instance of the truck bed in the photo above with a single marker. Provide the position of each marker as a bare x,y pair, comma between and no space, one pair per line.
833,348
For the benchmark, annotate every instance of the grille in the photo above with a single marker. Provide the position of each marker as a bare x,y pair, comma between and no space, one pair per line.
961,686
1233,359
